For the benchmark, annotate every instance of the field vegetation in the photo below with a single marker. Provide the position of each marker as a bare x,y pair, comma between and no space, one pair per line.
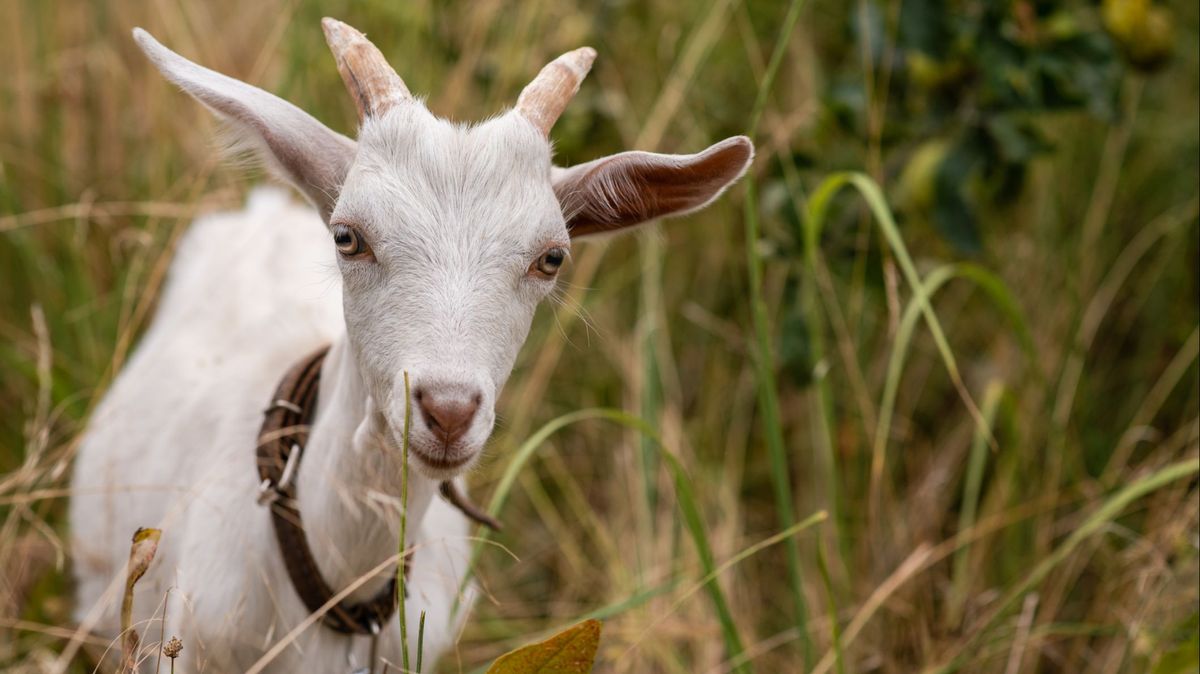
920,394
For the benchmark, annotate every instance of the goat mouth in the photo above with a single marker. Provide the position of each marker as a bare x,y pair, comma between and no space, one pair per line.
441,463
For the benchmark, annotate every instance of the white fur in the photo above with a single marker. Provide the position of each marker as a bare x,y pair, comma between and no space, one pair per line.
456,216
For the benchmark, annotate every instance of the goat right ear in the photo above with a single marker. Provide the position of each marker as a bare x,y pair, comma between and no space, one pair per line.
624,190
305,152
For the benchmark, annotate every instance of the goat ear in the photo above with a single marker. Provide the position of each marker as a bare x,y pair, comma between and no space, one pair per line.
295,146
623,190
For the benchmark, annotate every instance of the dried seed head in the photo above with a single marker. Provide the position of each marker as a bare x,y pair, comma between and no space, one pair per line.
173,648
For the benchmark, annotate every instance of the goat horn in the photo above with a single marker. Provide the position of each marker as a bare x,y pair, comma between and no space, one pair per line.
545,98
373,83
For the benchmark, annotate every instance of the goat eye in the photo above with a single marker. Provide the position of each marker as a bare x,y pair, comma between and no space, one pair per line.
550,262
348,241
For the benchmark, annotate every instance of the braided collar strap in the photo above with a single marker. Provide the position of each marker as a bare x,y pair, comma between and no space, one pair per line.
280,446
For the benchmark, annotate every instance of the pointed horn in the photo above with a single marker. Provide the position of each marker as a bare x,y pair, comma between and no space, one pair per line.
545,98
373,83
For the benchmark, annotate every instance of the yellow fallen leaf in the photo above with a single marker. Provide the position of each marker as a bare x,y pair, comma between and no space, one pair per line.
572,651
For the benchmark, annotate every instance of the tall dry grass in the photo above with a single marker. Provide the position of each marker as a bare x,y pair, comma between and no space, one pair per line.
1006,446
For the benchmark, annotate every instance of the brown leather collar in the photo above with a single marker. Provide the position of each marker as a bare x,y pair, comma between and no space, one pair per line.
280,447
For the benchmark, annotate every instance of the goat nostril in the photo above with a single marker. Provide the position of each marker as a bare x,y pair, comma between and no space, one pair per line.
449,419
430,419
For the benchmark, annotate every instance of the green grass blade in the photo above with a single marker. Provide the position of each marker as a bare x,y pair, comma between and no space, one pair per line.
695,524
1000,296
401,592
631,602
768,397
972,486
835,629
421,643
818,206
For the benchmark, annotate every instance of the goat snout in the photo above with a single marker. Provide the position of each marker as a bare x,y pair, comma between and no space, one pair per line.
448,410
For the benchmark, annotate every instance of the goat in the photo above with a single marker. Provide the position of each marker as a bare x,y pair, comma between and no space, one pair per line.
446,237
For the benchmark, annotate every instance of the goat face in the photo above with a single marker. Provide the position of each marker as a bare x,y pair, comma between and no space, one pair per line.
452,236
448,236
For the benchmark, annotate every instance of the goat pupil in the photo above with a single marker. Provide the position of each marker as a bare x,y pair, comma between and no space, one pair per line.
550,261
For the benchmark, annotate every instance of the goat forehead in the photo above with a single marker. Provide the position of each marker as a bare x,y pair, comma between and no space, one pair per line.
455,160
484,185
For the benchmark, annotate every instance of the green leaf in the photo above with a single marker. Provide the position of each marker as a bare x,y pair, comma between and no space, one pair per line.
572,651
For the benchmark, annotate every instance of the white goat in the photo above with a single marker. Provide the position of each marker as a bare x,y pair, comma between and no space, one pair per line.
446,238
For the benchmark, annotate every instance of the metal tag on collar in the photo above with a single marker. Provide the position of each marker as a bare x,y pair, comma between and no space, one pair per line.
266,492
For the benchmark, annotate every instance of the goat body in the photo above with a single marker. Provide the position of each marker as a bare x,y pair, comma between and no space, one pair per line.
172,446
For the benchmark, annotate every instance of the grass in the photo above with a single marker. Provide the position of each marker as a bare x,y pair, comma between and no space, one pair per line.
1005,444
768,400
401,574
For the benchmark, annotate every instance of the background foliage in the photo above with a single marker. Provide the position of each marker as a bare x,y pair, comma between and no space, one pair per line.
1028,504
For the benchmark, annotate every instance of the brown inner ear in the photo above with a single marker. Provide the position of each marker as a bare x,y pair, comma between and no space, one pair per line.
633,187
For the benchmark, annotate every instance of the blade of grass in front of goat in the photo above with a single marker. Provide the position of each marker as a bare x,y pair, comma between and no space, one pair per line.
768,394
400,575
685,498
421,643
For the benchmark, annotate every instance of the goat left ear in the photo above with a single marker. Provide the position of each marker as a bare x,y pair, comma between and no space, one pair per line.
296,146
627,189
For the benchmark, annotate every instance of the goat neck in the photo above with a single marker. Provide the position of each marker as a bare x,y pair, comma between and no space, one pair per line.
349,482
